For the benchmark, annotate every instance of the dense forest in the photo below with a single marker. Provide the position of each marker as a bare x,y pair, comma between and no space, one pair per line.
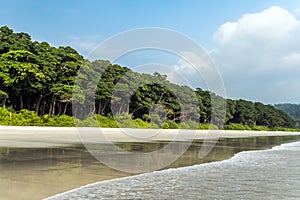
293,110
37,80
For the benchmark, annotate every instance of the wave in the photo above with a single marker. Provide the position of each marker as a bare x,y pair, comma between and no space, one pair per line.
252,160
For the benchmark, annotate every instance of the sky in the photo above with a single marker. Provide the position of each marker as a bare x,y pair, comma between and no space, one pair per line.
255,45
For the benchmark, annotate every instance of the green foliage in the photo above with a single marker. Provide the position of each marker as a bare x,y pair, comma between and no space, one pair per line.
29,118
189,125
293,110
25,118
106,122
64,121
285,129
60,121
156,119
245,112
40,78
153,125
48,120
90,121
139,123
125,121
5,116
97,121
260,128
207,127
234,126
170,125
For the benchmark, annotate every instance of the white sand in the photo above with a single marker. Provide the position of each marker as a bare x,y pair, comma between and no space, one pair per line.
34,137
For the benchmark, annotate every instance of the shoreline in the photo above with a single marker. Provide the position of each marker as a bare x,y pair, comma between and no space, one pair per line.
39,137
67,167
79,191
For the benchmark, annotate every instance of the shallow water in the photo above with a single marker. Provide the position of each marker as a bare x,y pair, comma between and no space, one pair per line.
39,173
263,174
35,173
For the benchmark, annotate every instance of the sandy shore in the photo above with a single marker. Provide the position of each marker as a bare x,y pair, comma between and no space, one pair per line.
25,171
12,136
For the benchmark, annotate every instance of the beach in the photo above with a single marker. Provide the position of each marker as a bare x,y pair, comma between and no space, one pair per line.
39,162
18,136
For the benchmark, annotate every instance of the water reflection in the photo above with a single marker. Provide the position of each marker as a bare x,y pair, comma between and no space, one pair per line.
35,173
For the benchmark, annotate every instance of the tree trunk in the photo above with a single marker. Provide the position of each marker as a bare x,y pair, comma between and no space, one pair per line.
99,108
52,106
103,108
65,109
3,102
43,107
93,108
28,103
59,108
21,102
120,109
38,103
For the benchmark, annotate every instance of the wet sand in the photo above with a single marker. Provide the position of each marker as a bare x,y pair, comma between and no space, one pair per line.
38,137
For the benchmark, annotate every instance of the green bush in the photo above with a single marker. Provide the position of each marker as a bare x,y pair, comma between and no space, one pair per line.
106,122
189,124
124,121
26,118
183,125
285,129
156,119
207,127
97,121
4,116
91,121
146,117
48,120
153,125
236,127
139,123
260,128
170,125
64,121
29,118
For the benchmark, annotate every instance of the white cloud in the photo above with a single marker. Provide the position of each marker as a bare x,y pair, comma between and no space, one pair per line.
85,43
226,32
257,52
271,24
184,73
192,70
183,66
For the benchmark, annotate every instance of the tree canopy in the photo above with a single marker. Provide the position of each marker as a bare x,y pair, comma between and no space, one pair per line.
41,78
293,110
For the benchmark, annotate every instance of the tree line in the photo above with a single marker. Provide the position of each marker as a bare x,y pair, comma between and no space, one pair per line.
292,110
41,78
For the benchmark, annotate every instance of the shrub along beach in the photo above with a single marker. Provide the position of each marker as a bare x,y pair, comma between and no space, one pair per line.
30,118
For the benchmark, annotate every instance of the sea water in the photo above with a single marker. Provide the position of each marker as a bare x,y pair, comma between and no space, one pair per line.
262,174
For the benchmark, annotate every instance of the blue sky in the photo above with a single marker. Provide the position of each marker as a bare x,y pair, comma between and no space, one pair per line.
59,21
84,24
